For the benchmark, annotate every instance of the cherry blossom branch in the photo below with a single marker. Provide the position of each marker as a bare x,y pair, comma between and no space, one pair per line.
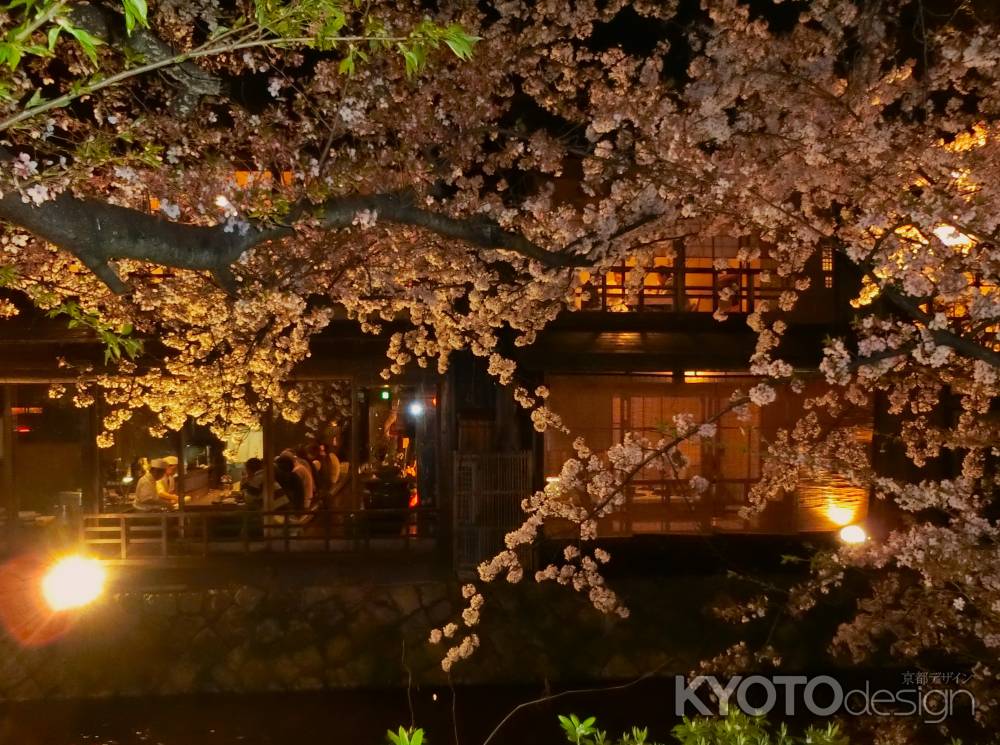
943,337
661,450
563,694
401,208
97,232
197,82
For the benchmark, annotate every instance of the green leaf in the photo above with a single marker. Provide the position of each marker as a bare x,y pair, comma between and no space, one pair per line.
11,54
87,41
36,98
346,66
410,59
460,42
135,13
54,36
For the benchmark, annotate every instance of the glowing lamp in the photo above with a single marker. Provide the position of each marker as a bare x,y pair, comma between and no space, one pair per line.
853,534
839,514
73,582
416,408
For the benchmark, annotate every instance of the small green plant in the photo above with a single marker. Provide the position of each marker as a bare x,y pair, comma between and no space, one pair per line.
739,729
735,729
584,732
580,732
412,736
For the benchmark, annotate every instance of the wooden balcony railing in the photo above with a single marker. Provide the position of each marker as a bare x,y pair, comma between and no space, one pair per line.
150,537
689,290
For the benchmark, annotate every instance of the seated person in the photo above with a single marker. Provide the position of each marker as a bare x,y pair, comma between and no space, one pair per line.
320,469
150,495
304,473
252,483
292,485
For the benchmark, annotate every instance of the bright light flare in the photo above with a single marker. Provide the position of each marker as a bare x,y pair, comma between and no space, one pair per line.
949,236
73,582
839,514
416,408
853,534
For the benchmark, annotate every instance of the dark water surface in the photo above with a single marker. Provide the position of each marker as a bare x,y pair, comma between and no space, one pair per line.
354,717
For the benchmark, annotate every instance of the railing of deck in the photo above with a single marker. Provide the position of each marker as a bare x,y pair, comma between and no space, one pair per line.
155,536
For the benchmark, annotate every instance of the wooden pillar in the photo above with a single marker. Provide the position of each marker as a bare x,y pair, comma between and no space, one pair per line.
267,429
179,445
439,444
680,291
354,438
447,422
93,483
7,461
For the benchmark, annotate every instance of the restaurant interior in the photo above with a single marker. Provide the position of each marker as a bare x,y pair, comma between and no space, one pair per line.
355,448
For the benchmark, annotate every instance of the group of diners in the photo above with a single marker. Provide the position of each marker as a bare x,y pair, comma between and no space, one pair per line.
306,478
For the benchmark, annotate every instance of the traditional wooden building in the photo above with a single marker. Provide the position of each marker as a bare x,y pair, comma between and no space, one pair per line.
626,359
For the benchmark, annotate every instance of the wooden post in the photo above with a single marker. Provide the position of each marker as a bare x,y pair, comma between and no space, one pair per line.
267,429
93,483
179,446
355,453
680,291
446,535
7,462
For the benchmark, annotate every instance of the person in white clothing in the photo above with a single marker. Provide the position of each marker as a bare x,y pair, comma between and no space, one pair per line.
170,476
147,495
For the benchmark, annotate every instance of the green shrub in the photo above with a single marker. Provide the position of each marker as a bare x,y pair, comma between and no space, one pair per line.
735,729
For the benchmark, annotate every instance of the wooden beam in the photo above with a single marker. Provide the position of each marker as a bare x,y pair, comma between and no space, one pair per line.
355,444
93,484
7,485
267,430
179,443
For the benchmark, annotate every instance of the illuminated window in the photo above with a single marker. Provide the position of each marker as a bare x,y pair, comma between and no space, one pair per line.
603,408
826,259
711,278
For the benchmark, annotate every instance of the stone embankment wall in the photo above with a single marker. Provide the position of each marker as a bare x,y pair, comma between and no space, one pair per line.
245,638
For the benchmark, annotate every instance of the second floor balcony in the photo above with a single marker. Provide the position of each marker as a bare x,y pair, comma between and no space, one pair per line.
706,275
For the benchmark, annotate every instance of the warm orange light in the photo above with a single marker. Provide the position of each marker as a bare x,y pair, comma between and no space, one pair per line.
853,534
73,582
839,514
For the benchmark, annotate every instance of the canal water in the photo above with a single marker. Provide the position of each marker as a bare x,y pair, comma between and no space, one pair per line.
349,717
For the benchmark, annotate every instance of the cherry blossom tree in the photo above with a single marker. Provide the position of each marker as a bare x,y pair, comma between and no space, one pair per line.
227,178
